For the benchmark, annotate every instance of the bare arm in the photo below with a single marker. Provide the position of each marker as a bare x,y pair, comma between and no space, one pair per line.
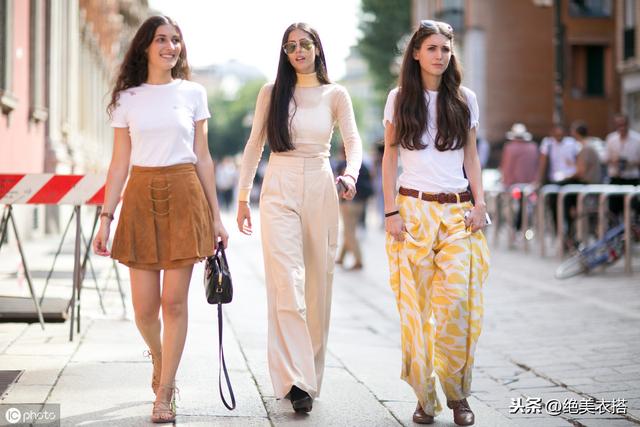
393,224
542,169
206,175
473,170
581,166
116,177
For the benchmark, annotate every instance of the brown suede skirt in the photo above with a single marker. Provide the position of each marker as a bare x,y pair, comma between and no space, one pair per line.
165,221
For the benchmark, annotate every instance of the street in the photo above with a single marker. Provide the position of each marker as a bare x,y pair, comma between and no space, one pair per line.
543,341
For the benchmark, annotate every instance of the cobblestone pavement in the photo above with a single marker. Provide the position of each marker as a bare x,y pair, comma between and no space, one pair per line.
544,341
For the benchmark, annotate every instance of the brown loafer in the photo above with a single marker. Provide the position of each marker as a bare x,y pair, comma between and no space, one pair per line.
462,414
421,417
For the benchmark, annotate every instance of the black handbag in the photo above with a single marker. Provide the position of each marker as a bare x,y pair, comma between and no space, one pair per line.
219,290
217,279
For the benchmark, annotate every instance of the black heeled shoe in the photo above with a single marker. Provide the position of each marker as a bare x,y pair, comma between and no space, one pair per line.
300,400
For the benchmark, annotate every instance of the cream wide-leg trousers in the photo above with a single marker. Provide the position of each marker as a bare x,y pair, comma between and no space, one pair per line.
299,223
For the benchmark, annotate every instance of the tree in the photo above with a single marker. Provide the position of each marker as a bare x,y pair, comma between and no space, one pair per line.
230,123
383,23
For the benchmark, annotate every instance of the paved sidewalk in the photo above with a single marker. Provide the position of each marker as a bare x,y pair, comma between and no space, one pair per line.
542,339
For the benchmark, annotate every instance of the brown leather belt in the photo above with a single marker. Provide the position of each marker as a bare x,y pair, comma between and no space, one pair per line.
465,196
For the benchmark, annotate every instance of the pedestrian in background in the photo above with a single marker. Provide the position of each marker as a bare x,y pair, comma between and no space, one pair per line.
351,211
438,257
588,171
169,218
519,163
558,154
299,208
623,153
226,180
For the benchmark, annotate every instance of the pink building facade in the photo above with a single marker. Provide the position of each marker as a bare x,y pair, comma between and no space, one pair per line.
22,122
57,60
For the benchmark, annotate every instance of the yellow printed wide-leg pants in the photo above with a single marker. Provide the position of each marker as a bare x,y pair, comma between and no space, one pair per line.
436,275
299,227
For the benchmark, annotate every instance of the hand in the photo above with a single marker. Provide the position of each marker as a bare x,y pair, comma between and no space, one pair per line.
350,192
102,238
220,234
244,218
395,226
476,219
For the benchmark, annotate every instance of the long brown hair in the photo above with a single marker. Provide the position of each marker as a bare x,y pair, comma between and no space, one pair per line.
278,118
134,68
411,112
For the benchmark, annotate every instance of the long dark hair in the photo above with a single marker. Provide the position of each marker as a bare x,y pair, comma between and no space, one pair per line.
411,113
278,119
134,69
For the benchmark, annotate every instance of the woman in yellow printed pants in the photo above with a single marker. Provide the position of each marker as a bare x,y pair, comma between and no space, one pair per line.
438,257
434,278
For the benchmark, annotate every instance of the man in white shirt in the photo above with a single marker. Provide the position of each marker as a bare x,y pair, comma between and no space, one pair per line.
623,153
557,162
622,156
557,157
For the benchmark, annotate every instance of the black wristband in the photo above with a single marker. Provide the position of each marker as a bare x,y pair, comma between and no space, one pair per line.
388,214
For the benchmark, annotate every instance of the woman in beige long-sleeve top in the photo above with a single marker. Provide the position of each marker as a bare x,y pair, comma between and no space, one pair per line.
299,208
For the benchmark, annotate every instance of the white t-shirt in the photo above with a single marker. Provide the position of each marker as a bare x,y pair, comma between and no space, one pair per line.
430,170
161,121
562,157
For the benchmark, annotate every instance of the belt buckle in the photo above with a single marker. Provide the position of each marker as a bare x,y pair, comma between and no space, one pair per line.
441,198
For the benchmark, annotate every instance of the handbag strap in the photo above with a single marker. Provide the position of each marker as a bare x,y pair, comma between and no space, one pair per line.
222,365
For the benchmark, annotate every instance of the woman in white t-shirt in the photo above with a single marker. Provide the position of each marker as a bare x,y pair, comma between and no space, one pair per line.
169,218
438,257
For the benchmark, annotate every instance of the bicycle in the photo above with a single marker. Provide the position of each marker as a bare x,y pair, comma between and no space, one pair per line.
603,252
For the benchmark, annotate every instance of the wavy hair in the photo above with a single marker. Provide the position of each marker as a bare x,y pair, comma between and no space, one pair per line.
411,112
278,118
134,68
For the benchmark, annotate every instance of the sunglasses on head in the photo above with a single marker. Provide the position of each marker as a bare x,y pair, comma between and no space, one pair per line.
429,23
290,47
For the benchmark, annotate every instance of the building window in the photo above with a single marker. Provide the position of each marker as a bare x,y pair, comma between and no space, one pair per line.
37,75
590,8
629,30
588,72
7,100
633,109
452,12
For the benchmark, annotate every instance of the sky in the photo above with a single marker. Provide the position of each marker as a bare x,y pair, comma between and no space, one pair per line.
250,31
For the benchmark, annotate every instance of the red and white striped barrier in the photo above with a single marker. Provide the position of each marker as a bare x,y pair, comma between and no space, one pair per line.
50,189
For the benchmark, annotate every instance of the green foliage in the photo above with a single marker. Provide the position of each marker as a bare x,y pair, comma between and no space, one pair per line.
336,138
383,23
230,124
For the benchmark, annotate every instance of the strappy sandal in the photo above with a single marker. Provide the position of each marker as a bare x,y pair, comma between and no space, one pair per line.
163,411
157,368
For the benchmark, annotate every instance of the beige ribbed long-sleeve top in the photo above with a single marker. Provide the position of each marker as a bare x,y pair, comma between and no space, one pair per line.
317,108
